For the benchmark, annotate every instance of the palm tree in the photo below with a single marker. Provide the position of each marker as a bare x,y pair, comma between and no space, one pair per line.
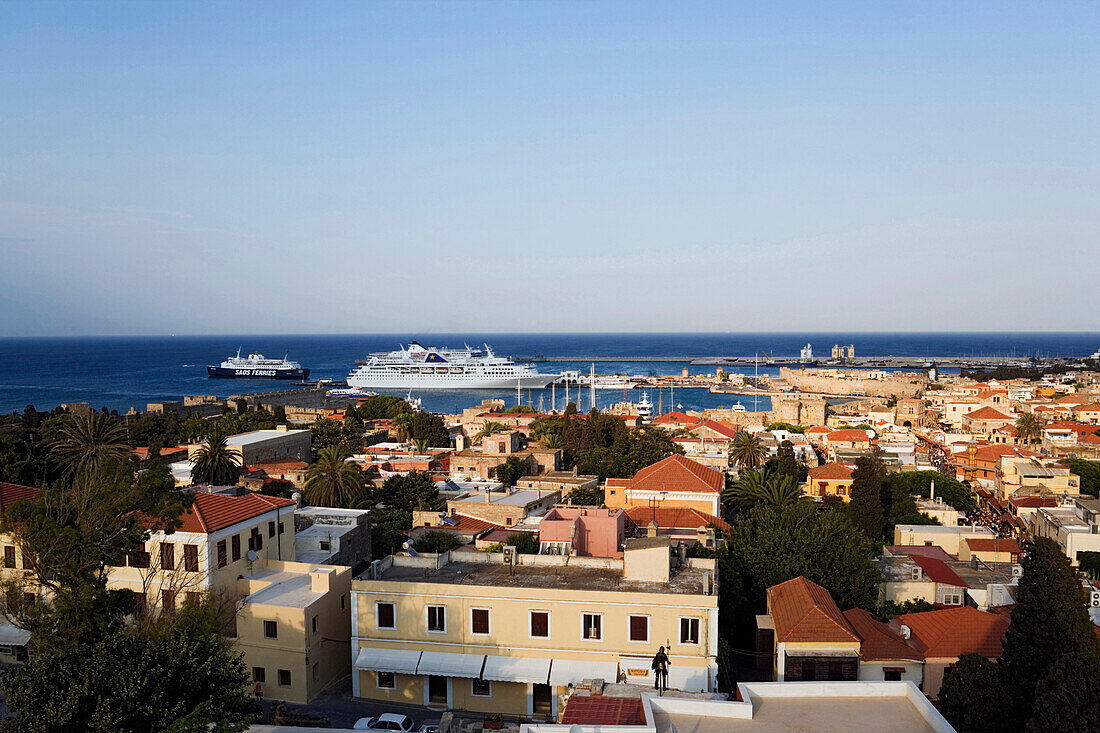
420,445
86,443
552,441
1029,427
763,487
402,425
332,480
489,428
215,462
747,451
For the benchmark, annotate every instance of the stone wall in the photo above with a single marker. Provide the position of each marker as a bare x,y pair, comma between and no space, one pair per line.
873,383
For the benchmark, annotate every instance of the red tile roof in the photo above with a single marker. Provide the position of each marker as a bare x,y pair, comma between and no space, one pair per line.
11,493
678,473
1077,427
951,632
878,640
990,544
720,428
281,465
933,551
804,611
987,413
676,418
212,512
938,571
831,471
672,517
818,430
994,452
465,524
848,435
603,710
1033,502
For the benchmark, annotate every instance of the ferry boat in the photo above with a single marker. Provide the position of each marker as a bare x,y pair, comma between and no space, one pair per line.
422,367
256,366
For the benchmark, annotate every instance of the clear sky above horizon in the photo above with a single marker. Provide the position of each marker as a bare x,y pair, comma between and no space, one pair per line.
561,166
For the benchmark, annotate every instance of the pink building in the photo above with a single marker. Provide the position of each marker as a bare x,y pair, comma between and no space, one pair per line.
582,531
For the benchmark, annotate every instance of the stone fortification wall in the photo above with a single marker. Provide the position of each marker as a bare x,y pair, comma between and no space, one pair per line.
871,382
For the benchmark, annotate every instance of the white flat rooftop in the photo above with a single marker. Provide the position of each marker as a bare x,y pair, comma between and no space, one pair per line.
289,589
516,498
257,436
808,715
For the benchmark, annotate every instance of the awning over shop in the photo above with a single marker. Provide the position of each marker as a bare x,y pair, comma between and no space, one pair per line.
401,661
516,669
451,665
569,671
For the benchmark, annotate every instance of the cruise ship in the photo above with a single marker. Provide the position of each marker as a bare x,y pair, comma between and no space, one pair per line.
421,367
258,367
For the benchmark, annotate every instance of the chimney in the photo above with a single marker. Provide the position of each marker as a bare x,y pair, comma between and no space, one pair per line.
706,583
651,529
297,497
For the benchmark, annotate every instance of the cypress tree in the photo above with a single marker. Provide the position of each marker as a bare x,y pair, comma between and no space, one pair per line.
1050,620
865,505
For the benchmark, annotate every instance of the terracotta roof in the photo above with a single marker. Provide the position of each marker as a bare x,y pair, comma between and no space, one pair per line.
11,493
938,571
987,413
1077,427
878,640
603,710
678,473
283,465
990,544
804,611
617,483
720,428
1094,407
993,452
951,632
673,517
818,430
933,551
848,434
1033,502
1090,438
212,512
831,471
1071,399
464,523
680,418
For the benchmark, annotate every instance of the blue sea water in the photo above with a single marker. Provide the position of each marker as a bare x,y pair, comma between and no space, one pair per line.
120,372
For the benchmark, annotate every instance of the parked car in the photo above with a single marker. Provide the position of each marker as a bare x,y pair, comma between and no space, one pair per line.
387,722
429,726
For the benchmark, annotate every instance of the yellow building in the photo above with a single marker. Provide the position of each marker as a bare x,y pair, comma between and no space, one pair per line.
832,479
676,481
466,631
293,627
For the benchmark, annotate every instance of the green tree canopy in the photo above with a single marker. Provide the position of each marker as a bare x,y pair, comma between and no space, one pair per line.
332,480
865,503
974,698
1087,471
215,462
511,470
1067,698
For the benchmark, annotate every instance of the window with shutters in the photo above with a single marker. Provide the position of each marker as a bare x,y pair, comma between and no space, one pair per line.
592,626
284,678
479,621
221,554
638,628
271,529
9,556
384,616
139,559
271,630
259,674
191,558
437,619
540,624
689,631
235,545
168,600
167,556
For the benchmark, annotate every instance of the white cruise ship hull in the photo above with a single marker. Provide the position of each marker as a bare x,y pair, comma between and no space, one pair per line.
448,381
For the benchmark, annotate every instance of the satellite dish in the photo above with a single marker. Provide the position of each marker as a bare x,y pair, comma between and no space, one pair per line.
252,556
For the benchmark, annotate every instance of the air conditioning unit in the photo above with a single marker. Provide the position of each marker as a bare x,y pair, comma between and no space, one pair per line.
509,555
1017,571
1094,599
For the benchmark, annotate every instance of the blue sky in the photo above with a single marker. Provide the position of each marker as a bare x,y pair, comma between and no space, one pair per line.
519,166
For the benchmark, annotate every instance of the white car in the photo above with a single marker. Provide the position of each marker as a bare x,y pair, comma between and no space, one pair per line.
388,722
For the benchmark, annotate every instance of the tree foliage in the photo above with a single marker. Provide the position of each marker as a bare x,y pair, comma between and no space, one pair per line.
215,462
974,698
1087,471
865,495
773,544
1067,698
746,450
332,480
383,407
511,470
85,443
602,444
436,541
